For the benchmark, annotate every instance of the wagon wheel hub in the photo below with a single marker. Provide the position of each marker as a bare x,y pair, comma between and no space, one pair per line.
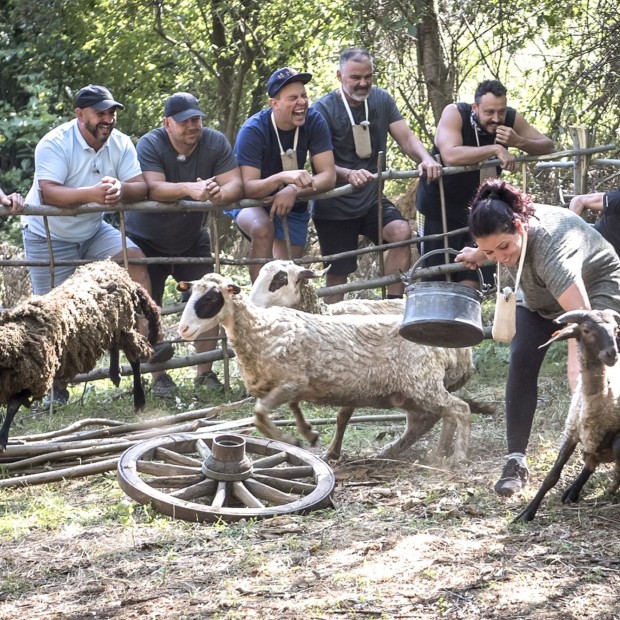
227,460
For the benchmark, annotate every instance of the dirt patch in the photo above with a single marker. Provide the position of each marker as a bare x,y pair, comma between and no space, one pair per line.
406,539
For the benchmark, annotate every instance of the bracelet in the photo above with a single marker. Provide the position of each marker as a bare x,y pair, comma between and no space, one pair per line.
294,187
349,174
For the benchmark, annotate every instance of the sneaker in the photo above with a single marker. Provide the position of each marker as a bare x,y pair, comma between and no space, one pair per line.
162,352
514,478
209,380
164,386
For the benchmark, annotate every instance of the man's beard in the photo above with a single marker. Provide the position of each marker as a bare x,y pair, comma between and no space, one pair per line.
93,131
356,96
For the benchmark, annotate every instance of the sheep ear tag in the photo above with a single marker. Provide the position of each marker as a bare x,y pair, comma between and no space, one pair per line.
184,287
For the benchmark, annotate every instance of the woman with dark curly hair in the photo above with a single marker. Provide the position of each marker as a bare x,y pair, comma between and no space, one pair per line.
567,266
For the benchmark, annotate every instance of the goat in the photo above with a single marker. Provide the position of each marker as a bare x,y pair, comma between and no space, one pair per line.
63,333
287,356
594,414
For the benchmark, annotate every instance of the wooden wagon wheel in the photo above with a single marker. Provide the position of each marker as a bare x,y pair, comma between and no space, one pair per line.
228,477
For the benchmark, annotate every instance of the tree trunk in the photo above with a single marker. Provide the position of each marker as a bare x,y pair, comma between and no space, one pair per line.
438,76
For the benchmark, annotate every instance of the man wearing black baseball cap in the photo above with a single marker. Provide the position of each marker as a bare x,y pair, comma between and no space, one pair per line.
183,160
272,149
83,161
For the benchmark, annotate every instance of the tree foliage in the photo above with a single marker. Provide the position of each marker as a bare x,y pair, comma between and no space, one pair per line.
560,60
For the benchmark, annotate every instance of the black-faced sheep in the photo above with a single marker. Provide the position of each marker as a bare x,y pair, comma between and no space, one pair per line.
594,415
287,356
65,332
284,283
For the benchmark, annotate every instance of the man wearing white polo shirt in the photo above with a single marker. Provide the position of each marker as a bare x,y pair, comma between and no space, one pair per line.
85,160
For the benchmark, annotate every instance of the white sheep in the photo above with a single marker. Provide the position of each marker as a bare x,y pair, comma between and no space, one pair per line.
594,415
287,356
284,283
65,332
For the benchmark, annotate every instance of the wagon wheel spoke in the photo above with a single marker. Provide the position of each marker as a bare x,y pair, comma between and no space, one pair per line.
219,499
170,456
243,494
200,477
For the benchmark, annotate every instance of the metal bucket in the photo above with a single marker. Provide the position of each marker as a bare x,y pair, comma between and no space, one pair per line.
442,314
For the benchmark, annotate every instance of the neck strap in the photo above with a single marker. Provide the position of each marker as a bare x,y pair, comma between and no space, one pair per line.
347,107
521,260
275,127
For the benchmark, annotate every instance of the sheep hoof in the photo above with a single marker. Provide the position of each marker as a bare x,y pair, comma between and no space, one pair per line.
328,455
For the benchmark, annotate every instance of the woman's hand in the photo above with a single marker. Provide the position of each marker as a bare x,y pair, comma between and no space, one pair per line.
471,257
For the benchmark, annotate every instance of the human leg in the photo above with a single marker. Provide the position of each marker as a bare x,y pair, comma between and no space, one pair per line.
206,341
521,395
256,225
297,224
337,236
394,228
36,248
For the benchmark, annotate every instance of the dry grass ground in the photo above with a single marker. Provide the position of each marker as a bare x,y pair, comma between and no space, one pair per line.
406,538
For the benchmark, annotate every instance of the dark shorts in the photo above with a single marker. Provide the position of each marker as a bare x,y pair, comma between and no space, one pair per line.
337,236
184,272
428,226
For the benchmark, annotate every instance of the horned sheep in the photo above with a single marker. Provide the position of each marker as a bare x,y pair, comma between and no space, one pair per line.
594,414
63,333
287,356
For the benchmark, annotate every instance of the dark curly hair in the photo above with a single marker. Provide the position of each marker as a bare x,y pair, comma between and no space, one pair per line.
496,206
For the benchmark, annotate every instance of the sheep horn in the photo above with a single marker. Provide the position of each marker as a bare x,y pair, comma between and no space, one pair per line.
570,331
573,316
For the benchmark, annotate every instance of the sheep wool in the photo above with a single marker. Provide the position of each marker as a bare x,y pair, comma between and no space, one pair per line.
287,356
65,332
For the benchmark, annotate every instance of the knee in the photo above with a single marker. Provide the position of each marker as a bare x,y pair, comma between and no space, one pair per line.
133,253
398,230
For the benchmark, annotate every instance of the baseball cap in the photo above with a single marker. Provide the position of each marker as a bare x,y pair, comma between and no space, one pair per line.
96,97
182,106
280,78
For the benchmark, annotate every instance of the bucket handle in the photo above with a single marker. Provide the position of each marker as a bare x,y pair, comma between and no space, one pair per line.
443,251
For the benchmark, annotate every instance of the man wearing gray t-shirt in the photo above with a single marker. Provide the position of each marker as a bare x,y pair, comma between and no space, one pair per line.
182,160
360,116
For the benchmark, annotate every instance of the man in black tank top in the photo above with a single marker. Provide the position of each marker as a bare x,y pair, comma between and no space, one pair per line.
468,134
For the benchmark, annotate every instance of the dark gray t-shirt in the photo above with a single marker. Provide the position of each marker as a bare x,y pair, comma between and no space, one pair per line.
173,233
382,112
562,247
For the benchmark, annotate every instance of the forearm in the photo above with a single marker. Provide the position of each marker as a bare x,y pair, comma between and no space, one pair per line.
230,192
468,155
415,150
323,182
134,191
536,146
261,188
67,197
162,191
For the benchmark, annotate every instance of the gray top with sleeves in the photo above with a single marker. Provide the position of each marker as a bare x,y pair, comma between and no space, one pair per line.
382,112
561,247
174,232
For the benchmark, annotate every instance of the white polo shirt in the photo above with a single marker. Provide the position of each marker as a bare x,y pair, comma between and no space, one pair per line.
63,156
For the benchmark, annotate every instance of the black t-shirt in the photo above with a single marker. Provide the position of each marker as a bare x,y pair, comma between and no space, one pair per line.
609,223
